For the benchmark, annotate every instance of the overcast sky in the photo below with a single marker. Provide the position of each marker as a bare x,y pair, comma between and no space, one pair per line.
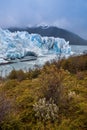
67,14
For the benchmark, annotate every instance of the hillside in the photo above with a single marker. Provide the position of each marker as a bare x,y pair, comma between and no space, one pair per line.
53,31
50,98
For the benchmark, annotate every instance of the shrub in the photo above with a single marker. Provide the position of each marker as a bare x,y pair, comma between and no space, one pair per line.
80,75
51,82
33,73
5,106
46,110
19,75
13,74
9,84
73,64
12,124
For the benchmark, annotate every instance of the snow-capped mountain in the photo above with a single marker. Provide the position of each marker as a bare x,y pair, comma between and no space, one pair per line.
20,44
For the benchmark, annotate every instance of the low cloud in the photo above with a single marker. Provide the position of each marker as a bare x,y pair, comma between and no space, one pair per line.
67,14
62,23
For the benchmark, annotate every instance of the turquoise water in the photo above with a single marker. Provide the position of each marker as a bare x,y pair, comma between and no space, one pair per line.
5,69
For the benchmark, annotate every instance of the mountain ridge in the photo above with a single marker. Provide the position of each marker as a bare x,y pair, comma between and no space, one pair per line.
53,31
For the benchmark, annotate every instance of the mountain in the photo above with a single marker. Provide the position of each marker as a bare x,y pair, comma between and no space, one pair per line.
52,31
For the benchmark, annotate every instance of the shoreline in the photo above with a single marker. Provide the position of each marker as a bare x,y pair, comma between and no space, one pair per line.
28,58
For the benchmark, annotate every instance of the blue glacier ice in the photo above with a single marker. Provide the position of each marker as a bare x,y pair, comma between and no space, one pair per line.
18,44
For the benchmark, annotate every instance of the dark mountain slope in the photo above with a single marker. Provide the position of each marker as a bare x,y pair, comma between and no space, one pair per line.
53,31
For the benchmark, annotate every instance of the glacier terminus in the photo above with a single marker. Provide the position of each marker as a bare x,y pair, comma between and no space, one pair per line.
19,45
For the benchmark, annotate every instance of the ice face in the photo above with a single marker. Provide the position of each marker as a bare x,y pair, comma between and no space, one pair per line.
18,44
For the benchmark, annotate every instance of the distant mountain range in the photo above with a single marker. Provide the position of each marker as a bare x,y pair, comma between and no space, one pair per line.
52,31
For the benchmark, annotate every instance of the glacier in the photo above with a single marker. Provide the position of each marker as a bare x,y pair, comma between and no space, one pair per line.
18,45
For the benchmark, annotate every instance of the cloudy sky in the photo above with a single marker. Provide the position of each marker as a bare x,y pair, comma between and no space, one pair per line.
67,14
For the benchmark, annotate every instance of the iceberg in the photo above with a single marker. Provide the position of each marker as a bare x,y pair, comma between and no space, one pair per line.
21,44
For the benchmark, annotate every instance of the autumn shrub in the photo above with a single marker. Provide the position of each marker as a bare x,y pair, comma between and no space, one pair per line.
10,84
73,64
13,74
12,124
33,73
51,81
5,106
24,102
80,75
51,98
1,78
19,75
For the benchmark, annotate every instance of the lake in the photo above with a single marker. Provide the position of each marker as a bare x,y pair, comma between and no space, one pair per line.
5,69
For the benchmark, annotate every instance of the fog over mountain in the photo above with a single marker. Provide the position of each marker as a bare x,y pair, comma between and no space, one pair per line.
67,14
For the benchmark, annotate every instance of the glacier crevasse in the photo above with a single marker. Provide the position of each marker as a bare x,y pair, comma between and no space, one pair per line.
18,44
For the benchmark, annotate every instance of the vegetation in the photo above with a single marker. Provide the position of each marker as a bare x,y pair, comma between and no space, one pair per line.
51,98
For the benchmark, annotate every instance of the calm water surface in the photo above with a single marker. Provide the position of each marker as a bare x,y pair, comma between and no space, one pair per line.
5,69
